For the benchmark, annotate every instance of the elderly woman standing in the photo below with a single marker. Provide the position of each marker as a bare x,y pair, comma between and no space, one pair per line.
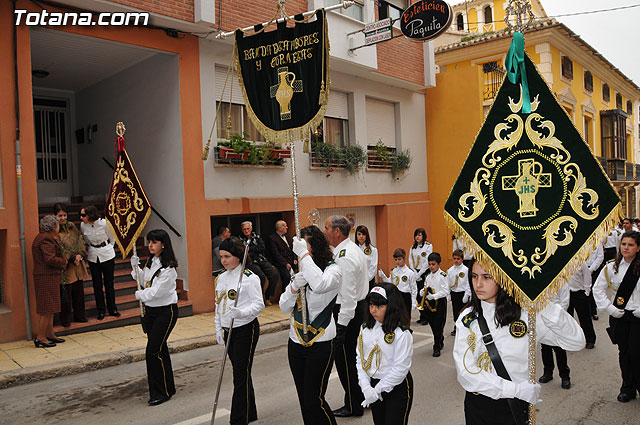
101,258
48,265
73,250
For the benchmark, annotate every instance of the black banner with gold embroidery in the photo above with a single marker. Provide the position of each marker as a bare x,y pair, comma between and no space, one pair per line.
283,75
127,209
531,201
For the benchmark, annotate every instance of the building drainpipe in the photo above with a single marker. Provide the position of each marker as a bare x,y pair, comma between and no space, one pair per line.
23,248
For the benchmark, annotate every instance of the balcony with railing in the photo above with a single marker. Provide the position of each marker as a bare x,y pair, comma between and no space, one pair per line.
493,76
620,170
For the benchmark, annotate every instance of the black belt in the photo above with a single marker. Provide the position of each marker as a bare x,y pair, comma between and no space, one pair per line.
100,245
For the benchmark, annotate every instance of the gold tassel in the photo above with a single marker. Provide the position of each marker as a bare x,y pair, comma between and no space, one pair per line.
305,138
322,99
229,125
205,154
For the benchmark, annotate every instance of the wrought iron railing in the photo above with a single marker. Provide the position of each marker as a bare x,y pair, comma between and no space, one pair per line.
493,76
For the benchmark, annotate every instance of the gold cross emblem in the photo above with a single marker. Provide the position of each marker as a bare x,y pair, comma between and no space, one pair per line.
284,90
526,185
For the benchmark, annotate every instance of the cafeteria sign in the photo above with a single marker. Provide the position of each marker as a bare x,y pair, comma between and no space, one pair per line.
426,19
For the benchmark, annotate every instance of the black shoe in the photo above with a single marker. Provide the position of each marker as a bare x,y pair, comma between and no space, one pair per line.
624,397
453,332
425,322
545,378
66,324
590,346
566,383
436,352
595,317
115,313
56,340
43,344
81,320
344,412
419,321
156,401
100,316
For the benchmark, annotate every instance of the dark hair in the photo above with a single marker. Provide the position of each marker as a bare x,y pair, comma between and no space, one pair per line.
421,231
363,229
636,261
507,310
458,253
167,257
396,314
222,229
234,246
399,253
59,207
434,256
627,219
320,251
92,212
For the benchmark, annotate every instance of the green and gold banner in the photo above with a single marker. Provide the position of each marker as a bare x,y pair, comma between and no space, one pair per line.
531,201
127,208
283,75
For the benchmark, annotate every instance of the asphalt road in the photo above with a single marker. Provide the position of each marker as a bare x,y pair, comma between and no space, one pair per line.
118,395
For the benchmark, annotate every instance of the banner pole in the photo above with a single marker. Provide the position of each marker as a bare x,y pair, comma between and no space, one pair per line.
226,345
532,362
137,270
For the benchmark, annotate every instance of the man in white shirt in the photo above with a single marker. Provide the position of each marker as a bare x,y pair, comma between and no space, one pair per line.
349,310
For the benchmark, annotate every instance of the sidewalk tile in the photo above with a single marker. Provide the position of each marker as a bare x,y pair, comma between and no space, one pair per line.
36,360
15,344
20,353
6,365
72,354
135,343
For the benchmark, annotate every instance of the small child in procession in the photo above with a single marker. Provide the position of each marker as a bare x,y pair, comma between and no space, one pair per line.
404,279
383,357
458,285
435,293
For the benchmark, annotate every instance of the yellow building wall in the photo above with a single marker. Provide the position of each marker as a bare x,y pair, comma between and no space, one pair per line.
473,20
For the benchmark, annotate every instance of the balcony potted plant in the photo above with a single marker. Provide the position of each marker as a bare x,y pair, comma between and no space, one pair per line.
236,148
400,163
380,156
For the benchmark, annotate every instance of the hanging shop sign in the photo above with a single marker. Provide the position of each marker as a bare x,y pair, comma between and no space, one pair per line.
378,31
426,19
283,75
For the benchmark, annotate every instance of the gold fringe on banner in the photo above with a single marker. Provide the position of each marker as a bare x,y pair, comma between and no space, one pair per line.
281,137
506,283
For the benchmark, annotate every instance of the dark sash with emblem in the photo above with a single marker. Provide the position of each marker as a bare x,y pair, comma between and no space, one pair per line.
283,75
316,328
621,299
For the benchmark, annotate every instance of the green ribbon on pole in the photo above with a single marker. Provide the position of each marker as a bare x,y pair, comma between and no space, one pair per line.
516,70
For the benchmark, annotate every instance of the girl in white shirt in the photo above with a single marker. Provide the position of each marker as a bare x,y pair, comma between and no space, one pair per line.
246,329
383,357
370,253
311,355
488,394
160,312
418,261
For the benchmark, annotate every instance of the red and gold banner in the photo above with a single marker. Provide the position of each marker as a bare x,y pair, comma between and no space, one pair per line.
127,209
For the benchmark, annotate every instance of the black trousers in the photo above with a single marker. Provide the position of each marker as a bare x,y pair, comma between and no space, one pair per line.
285,276
579,302
456,304
437,321
483,410
72,296
547,360
345,359
627,332
372,283
406,297
158,322
98,271
265,271
241,351
311,367
423,314
395,405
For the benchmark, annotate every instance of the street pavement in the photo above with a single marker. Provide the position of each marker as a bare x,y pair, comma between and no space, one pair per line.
118,395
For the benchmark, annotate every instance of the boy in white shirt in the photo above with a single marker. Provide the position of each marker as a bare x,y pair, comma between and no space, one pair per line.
404,278
458,285
436,286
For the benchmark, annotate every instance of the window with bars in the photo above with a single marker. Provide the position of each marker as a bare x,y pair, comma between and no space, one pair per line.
618,101
488,15
629,107
606,93
567,68
613,134
51,144
588,81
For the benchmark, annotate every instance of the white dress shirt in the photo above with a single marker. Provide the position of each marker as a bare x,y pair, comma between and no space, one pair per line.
355,285
613,239
94,234
580,280
323,288
604,292
418,257
475,371
595,259
394,359
162,290
440,284
404,278
249,298
459,279
372,260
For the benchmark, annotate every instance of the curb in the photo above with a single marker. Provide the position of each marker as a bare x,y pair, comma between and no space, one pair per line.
101,361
